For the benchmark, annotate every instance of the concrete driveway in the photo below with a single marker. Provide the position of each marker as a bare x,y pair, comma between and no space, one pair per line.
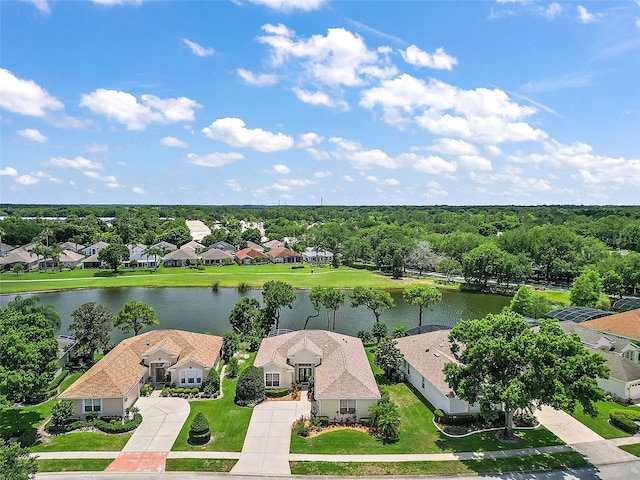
148,447
266,447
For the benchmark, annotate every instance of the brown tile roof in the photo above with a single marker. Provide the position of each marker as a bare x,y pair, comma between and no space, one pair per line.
626,324
428,363
119,370
282,252
344,371
249,252
184,254
216,254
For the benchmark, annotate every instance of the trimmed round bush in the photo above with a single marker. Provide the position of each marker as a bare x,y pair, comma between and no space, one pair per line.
62,413
624,420
199,431
212,380
250,388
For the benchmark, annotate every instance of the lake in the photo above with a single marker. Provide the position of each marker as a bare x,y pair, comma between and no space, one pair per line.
203,310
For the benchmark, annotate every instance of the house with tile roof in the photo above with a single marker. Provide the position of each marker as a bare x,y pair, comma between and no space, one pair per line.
624,325
317,257
271,244
283,255
343,383
19,256
224,246
249,256
94,249
194,246
213,256
113,384
181,258
165,246
425,356
622,357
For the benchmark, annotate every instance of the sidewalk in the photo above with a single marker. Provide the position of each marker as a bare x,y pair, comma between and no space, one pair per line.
595,449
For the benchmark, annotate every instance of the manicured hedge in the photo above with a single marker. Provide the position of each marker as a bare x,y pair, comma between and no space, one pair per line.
199,431
107,427
625,420
277,392
250,387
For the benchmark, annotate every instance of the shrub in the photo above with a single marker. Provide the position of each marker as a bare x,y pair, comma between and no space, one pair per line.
199,431
625,420
212,380
62,413
230,343
385,418
243,287
215,286
118,426
300,427
28,437
296,267
91,416
166,391
250,387
232,367
366,337
277,392
58,380
146,390
399,331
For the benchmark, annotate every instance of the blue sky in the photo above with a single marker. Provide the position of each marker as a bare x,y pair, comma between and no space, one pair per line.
300,102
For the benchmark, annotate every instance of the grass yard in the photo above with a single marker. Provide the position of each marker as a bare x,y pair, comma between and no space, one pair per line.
67,382
199,464
498,465
418,434
229,422
30,417
84,442
75,465
600,424
633,449
227,276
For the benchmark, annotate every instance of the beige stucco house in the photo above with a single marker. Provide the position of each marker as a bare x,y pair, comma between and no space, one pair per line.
113,384
344,384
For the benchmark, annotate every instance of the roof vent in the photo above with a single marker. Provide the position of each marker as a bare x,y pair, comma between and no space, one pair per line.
436,354
441,345
426,349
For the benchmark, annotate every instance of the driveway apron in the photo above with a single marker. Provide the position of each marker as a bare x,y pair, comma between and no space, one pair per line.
148,447
266,447
596,449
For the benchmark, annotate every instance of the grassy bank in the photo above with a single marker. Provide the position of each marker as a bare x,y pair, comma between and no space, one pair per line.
497,465
600,423
75,465
229,276
199,464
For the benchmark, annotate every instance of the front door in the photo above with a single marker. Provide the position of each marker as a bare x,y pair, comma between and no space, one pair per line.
303,374
159,374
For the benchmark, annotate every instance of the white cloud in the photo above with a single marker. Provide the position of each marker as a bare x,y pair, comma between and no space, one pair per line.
309,139
261,80
27,180
42,5
474,162
290,5
371,178
390,181
110,180
493,150
198,49
340,58
78,163
318,98
584,16
125,108
287,184
233,185
322,174
282,169
439,60
138,190
432,164
9,172
25,96
33,135
95,148
232,131
364,159
110,3
513,182
173,142
215,159
452,146
349,178
552,11
434,190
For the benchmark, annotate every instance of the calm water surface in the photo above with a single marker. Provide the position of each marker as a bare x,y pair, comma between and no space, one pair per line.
202,310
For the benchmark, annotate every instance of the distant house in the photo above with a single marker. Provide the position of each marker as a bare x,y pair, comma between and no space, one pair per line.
344,385
255,246
160,356
224,246
19,256
66,351
283,255
91,262
249,256
166,246
271,244
193,245
213,256
181,258
622,357
425,356
624,325
317,257
5,248
70,259
73,247
94,249
143,260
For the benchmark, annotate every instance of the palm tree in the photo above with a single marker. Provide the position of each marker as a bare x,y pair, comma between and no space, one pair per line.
2,233
155,252
56,251
28,305
38,250
46,233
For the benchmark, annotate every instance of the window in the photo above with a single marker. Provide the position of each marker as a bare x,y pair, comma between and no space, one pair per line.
271,380
92,405
192,376
347,407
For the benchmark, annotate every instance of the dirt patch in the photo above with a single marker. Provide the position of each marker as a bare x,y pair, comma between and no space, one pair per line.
334,428
287,398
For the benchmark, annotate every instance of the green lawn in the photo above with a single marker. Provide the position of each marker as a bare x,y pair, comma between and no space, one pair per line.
498,465
199,464
30,417
228,276
75,465
600,424
67,382
84,442
417,434
229,422
633,449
